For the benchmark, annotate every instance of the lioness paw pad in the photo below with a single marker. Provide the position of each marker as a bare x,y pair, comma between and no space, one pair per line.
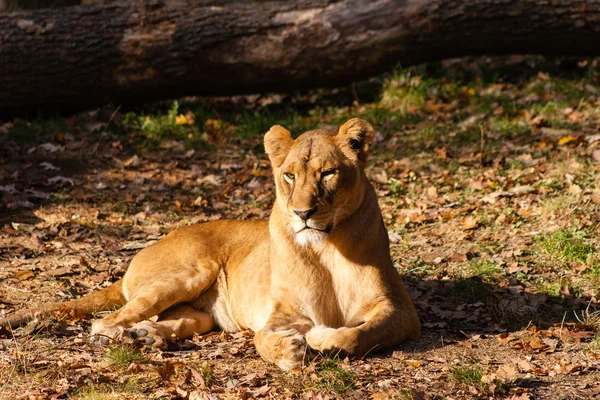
146,333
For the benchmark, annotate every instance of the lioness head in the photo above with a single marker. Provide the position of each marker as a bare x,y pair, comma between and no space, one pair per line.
319,176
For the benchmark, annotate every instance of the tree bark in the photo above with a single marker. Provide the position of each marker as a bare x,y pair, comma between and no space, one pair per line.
134,51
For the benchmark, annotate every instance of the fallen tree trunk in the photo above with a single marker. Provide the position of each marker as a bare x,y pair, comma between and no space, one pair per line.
135,51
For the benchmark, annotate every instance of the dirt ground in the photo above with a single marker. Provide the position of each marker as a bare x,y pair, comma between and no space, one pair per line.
488,186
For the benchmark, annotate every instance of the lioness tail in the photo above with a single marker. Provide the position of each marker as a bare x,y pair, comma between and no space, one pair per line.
105,299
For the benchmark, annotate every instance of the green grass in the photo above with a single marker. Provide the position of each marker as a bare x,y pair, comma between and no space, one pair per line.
397,189
550,288
259,122
467,375
123,355
568,245
403,394
486,270
92,393
405,92
331,376
207,373
154,128
510,127
595,342
419,268
37,131
472,375
129,387
471,289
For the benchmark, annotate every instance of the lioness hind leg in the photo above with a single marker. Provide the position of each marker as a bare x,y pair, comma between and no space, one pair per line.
147,302
181,321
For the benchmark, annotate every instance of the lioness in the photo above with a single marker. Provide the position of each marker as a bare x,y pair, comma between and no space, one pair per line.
318,273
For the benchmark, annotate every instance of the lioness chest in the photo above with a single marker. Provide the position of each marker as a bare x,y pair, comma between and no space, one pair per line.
336,291
325,287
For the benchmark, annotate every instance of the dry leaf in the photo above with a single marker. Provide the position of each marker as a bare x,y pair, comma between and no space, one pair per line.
380,396
525,213
566,139
536,343
506,373
522,190
469,223
458,257
574,189
60,271
201,395
432,192
24,275
441,153
196,378
166,370
260,392
524,365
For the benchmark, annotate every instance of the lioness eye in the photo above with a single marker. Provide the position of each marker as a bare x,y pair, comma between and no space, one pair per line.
289,177
328,173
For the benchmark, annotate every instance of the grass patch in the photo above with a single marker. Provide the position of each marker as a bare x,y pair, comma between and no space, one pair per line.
207,373
471,289
403,394
128,388
429,133
331,376
259,122
472,375
550,288
595,342
123,355
38,130
397,189
568,245
189,127
467,375
405,91
485,270
420,269
510,128
93,393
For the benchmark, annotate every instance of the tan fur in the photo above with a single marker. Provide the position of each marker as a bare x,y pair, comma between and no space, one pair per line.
317,274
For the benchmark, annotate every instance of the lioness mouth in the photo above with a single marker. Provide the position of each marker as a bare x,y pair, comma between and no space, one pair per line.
327,229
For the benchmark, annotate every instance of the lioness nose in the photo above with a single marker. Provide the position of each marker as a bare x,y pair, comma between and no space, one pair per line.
305,214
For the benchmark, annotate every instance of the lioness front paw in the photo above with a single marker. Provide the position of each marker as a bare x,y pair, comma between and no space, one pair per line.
293,350
325,339
286,348
104,332
147,333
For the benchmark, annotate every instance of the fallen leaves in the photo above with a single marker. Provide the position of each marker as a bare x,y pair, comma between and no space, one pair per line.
548,340
469,223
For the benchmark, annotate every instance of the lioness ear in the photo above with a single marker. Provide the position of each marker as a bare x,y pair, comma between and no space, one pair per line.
278,142
356,136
